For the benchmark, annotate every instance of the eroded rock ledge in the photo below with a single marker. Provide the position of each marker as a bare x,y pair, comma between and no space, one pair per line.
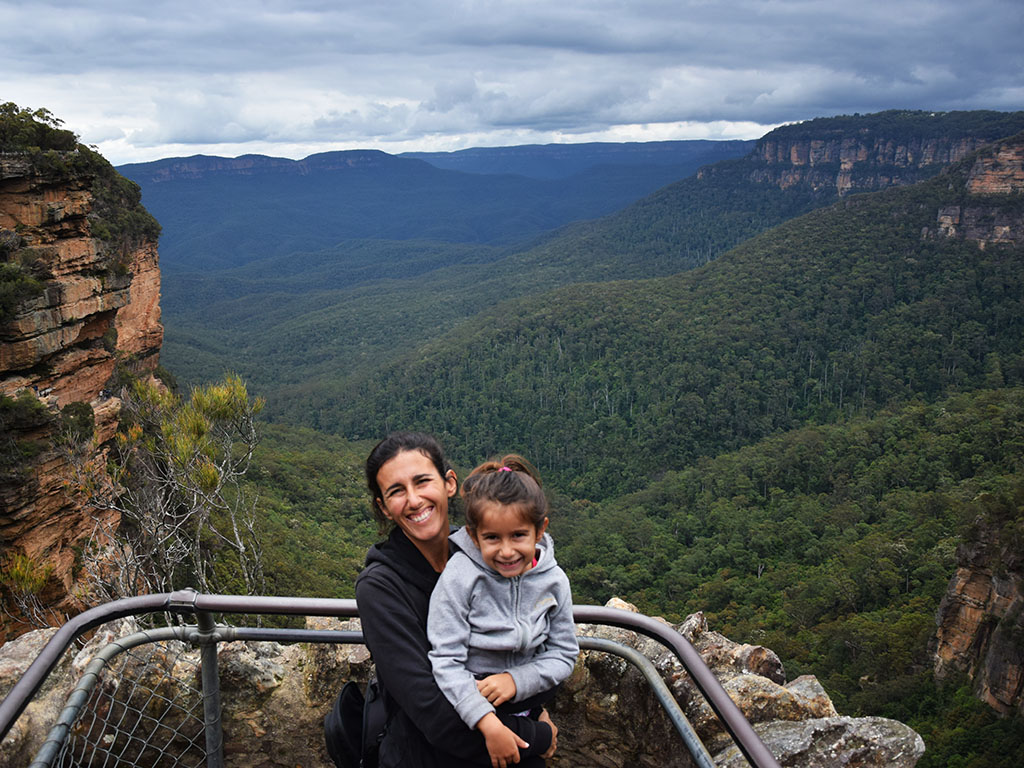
275,698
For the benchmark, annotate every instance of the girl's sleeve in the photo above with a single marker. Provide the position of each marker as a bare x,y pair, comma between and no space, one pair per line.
397,639
557,657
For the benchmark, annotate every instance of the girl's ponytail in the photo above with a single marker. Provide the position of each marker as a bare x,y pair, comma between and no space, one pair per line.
509,481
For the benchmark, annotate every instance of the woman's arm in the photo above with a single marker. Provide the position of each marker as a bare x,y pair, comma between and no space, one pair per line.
395,631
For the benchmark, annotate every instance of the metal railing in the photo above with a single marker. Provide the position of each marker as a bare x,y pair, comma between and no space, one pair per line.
137,735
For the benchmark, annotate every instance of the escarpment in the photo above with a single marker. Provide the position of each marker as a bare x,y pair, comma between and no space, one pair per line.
841,156
856,163
81,307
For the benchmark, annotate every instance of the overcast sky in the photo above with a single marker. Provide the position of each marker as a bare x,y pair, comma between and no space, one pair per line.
145,79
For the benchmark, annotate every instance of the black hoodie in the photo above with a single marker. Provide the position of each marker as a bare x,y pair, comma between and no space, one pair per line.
393,593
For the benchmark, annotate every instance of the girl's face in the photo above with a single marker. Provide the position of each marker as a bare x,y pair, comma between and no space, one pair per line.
415,496
507,540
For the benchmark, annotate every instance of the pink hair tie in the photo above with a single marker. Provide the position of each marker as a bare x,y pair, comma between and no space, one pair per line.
505,469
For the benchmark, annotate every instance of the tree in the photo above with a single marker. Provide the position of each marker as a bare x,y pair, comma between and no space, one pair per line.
173,480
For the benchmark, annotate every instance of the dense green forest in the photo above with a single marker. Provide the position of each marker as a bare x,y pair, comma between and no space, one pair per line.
904,125
315,515
833,546
829,316
317,323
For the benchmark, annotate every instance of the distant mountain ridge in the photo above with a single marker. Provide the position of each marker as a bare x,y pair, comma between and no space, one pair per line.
220,213
792,170
260,319
202,166
554,161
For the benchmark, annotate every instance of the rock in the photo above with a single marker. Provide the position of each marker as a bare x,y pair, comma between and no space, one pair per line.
274,698
607,708
29,731
848,164
831,742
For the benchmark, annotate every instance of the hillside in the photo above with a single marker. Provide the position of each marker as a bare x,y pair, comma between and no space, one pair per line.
833,314
792,170
310,323
834,545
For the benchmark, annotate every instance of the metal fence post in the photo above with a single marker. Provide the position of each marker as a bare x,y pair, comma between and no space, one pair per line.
206,638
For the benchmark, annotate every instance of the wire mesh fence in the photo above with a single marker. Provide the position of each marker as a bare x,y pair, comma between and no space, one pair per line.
136,705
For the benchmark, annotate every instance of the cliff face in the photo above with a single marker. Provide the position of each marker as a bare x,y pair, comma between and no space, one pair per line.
855,163
96,306
860,153
997,176
981,617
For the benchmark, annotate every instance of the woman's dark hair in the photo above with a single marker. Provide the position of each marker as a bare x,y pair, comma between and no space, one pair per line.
510,481
391,446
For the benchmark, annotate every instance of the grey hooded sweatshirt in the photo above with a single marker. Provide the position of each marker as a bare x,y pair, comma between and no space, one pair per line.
481,623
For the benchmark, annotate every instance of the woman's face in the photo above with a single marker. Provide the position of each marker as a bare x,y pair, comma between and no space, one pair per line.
415,496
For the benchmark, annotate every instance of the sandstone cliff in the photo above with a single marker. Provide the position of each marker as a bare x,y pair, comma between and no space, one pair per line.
981,617
75,234
855,163
992,212
840,156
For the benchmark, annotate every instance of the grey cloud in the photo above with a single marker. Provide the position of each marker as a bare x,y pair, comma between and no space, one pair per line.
241,71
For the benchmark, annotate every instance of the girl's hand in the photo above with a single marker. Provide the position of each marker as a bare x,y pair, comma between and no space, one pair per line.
502,743
497,689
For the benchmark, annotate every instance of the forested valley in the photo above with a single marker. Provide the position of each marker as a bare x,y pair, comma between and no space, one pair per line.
786,403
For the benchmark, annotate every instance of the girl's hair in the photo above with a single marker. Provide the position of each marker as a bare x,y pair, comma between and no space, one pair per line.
387,449
510,481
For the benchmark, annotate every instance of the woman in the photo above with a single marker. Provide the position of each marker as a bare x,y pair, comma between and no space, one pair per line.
411,484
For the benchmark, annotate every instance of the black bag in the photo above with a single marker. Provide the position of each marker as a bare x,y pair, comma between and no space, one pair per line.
355,725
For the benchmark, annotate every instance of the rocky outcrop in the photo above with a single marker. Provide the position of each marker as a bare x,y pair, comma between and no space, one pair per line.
995,182
610,718
855,163
95,308
981,620
274,699
860,153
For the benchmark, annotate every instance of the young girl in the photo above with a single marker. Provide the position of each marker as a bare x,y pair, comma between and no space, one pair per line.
500,621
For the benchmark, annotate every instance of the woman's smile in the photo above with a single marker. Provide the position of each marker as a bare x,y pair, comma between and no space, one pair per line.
415,497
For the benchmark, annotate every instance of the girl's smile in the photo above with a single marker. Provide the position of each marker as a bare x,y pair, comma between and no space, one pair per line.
507,540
